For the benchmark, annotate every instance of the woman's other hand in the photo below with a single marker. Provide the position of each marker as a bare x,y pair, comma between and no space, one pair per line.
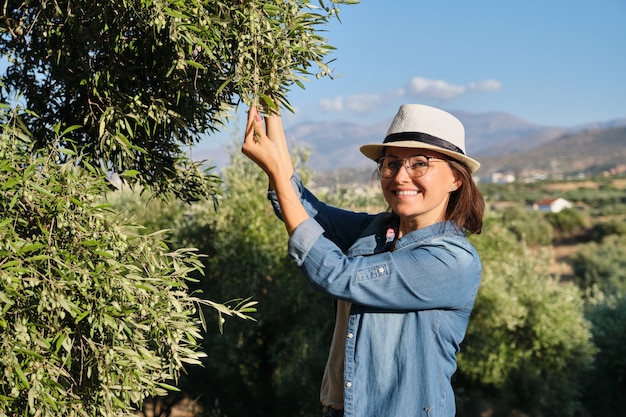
259,148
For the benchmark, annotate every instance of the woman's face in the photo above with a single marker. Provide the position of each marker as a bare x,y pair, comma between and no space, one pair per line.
422,201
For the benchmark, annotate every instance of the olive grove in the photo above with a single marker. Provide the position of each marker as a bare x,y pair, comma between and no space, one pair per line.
96,313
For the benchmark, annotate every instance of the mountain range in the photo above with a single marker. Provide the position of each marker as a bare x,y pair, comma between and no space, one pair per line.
500,141
486,134
591,151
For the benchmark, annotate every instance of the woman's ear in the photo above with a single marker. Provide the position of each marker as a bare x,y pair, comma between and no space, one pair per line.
456,184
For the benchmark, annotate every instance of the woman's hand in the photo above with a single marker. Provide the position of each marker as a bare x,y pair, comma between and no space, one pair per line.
259,148
270,153
276,133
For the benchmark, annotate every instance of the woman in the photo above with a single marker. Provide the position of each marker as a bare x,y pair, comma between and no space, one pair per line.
405,280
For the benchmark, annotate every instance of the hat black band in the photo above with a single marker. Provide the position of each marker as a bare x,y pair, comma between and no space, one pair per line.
424,138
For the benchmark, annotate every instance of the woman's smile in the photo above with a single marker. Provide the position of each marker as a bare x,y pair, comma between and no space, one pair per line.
406,193
421,201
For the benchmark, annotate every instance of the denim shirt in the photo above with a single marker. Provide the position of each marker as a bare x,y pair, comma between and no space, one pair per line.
410,307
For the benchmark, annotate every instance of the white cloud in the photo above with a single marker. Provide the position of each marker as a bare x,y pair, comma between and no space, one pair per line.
424,88
332,104
363,103
358,103
417,88
487,85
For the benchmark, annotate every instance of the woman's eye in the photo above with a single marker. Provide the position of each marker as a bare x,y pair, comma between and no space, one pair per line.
419,164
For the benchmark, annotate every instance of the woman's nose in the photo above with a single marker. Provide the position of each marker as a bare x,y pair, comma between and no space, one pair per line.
403,172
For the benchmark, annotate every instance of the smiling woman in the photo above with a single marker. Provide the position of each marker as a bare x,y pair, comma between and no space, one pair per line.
404,281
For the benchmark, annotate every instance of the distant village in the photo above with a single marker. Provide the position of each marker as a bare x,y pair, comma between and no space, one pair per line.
553,205
532,175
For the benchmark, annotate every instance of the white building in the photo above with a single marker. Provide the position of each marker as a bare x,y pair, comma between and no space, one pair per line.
553,205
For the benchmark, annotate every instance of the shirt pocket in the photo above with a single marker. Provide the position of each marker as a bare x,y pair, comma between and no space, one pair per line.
372,272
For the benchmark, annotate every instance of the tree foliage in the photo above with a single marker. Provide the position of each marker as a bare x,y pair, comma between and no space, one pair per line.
602,264
148,78
601,230
604,391
530,227
567,222
95,315
274,365
528,346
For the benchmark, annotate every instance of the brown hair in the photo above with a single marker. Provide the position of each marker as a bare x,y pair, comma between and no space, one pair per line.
466,206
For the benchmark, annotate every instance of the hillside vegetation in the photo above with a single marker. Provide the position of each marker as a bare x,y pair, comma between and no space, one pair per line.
580,155
590,153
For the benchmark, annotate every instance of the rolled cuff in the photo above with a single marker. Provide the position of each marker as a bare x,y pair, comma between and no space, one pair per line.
296,183
303,239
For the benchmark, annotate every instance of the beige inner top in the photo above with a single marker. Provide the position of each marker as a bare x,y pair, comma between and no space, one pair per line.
331,392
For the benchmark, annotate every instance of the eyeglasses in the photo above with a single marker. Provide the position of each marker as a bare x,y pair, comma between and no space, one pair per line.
416,166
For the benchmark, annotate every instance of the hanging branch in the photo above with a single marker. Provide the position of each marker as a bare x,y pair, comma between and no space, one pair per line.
255,50
254,32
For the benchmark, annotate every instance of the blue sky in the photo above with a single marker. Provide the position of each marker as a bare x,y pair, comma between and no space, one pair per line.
549,62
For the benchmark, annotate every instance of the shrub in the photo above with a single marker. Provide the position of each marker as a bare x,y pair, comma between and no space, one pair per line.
530,227
612,227
567,222
601,264
528,344
604,392
95,316
272,366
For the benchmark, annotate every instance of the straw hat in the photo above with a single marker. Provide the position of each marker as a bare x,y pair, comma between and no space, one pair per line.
424,127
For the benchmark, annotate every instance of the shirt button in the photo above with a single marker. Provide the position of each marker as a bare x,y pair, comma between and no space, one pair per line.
348,384
350,335
381,269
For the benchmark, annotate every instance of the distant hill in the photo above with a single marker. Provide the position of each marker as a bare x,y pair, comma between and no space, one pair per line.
498,140
589,152
500,133
336,144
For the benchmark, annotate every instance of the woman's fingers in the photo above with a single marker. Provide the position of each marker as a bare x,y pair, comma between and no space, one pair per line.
276,133
274,127
266,151
256,144
259,127
255,128
251,113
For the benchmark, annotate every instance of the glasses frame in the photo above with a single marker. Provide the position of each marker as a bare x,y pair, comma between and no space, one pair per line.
406,164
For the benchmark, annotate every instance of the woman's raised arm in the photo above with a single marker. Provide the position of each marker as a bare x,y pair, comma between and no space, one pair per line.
269,154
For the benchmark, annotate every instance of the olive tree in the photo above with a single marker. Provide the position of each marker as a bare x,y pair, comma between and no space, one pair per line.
528,347
604,393
274,364
95,315
601,264
149,78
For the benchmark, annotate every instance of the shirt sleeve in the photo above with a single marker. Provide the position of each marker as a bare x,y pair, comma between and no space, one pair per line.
443,273
342,227
303,239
